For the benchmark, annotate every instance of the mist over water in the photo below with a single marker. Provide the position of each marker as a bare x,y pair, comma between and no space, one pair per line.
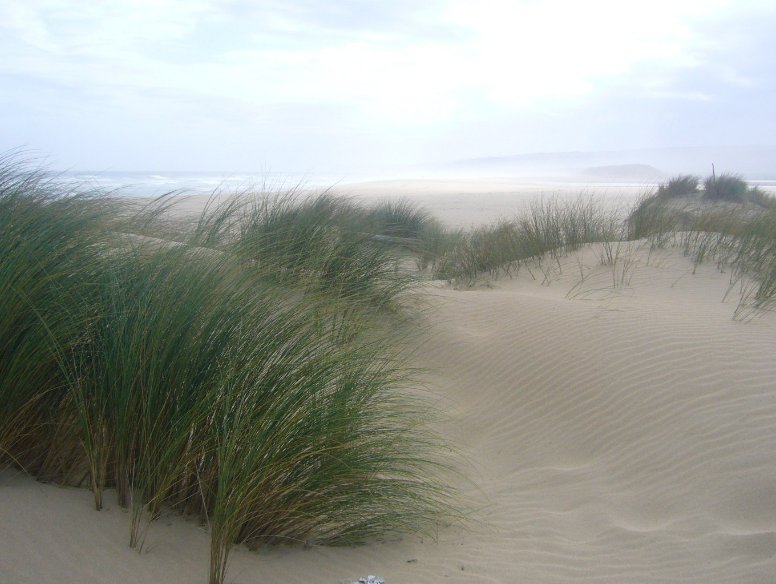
603,171
157,183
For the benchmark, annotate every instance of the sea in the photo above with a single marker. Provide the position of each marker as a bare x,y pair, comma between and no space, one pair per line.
157,183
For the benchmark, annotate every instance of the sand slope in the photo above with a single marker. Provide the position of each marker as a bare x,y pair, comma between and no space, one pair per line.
617,435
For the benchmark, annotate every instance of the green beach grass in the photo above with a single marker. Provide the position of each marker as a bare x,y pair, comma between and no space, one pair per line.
236,373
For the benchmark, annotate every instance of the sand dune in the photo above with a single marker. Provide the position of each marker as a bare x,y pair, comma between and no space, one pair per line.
611,434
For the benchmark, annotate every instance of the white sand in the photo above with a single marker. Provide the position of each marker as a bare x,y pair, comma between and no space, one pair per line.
618,435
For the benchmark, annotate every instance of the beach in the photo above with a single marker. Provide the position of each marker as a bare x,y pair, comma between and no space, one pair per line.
604,426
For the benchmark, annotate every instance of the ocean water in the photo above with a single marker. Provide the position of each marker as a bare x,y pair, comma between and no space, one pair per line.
153,184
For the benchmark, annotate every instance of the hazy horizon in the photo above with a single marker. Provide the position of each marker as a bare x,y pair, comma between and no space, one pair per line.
352,87
637,165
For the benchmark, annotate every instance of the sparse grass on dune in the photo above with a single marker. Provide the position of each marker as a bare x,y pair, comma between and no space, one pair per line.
758,197
733,188
189,376
754,255
436,240
482,251
550,228
742,244
739,238
677,203
651,217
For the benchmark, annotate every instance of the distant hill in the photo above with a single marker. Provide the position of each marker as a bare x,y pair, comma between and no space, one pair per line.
754,162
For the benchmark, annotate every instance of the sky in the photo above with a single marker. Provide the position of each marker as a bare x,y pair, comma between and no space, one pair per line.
343,85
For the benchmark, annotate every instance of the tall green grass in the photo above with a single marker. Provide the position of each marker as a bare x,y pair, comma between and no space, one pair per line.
210,375
324,246
53,252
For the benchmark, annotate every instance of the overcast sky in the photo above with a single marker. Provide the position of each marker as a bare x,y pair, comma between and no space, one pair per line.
340,85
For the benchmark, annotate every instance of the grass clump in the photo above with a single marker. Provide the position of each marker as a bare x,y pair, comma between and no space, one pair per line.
726,187
400,219
191,378
325,247
679,186
733,188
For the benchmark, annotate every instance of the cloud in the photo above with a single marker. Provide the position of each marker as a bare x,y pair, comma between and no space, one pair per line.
377,74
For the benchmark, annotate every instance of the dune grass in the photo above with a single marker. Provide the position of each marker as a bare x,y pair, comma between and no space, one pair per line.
53,250
210,375
753,255
743,244
550,229
733,188
739,239
678,186
726,187
324,246
653,218
399,218
758,197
